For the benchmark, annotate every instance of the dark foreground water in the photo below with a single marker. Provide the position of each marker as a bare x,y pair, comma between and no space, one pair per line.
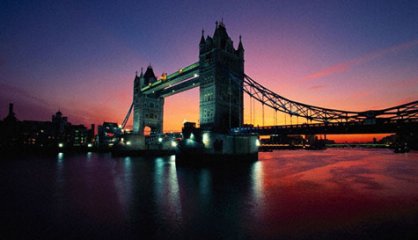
331,194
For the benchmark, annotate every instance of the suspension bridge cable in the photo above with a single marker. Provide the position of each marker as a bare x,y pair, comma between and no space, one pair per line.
275,117
253,113
251,110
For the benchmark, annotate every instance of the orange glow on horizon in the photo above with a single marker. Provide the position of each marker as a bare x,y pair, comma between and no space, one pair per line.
359,138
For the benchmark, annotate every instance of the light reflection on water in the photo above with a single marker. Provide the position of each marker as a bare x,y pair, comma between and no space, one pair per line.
257,187
286,194
60,157
205,182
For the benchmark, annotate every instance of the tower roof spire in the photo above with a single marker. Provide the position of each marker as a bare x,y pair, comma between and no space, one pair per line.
142,72
202,39
240,47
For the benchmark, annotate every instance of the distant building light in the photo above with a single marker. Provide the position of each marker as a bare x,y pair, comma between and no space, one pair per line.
90,145
164,76
257,142
196,75
205,138
189,142
173,143
60,145
128,143
160,139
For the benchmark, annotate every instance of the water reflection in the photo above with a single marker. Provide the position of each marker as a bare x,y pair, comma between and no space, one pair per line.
59,173
286,194
60,157
257,177
205,184
167,192
159,180
173,191
59,183
123,182
127,162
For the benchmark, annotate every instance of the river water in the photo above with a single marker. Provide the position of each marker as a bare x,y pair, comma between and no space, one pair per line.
295,194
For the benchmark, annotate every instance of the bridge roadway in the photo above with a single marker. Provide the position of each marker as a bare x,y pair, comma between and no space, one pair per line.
384,126
179,81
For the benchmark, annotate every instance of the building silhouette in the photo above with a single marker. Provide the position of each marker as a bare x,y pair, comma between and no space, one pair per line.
28,135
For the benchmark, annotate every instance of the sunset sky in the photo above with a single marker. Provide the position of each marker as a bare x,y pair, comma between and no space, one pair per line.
82,57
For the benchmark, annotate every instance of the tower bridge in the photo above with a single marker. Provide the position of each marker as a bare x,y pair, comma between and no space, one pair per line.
221,98
222,82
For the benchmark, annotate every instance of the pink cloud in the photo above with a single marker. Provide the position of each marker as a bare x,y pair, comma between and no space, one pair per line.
345,66
314,87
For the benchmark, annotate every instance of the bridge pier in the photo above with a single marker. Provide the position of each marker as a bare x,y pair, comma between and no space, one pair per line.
408,135
205,147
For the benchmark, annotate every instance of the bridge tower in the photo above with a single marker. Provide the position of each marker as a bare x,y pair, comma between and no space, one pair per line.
221,98
148,109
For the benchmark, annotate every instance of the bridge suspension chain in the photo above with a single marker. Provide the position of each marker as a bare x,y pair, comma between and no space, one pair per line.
125,121
320,114
251,110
